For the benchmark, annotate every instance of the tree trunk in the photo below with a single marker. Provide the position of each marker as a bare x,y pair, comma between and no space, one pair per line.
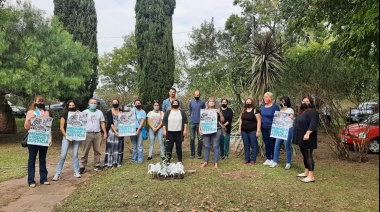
7,120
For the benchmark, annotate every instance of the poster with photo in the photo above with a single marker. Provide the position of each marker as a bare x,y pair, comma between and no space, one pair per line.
209,121
76,126
281,124
127,124
39,133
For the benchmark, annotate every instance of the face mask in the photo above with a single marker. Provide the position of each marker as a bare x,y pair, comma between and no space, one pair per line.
267,101
283,104
175,106
248,105
115,105
72,109
196,98
224,105
156,108
40,105
211,104
138,107
304,106
92,106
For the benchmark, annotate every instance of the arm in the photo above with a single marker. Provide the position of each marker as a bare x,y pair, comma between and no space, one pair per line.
258,118
103,126
62,126
184,119
313,126
29,116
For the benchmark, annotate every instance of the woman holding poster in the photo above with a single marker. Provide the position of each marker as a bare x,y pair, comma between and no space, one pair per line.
249,129
37,109
115,143
211,130
70,107
155,129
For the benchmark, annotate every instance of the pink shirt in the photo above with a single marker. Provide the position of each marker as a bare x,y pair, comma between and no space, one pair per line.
30,113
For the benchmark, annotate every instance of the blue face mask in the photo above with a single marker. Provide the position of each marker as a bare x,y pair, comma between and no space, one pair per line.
92,106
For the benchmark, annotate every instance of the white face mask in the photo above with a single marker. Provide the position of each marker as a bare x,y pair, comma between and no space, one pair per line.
211,104
156,108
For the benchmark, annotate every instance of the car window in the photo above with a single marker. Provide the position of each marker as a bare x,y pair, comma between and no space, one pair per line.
372,120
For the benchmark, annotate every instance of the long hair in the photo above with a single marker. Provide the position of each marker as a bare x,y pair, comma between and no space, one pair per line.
287,101
212,99
245,108
33,106
311,106
66,110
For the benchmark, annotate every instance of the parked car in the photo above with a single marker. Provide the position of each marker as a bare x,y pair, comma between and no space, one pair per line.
18,111
55,110
366,131
360,113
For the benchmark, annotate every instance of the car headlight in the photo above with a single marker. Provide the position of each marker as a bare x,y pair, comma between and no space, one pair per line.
362,135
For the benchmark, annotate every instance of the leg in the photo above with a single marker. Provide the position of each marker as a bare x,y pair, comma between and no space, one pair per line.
33,150
134,148
200,142
288,147
310,162
96,146
246,143
215,144
304,154
120,150
227,145
221,145
62,158
207,140
152,137
160,134
75,156
178,145
192,138
170,144
140,150
277,148
252,146
42,158
86,145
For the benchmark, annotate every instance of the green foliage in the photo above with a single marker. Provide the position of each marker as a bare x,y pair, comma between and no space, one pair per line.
79,19
155,48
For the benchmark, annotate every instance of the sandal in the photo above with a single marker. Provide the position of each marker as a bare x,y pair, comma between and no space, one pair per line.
216,165
204,164
307,180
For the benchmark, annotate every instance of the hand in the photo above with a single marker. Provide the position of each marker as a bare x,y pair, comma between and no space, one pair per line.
50,142
116,134
258,134
105,135
239,132
306,137
184,133
164,135
137,131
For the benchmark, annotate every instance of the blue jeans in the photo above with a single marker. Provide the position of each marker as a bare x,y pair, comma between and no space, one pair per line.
137,148
288,147
152,137
269,143
250,146
62,158
42,151
194,129
224,145
214,140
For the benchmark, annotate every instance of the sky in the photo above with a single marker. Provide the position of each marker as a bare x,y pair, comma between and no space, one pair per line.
116,18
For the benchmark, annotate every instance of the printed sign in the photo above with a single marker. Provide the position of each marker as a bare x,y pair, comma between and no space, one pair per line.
76,126
127,124
280,125
39,133
209,121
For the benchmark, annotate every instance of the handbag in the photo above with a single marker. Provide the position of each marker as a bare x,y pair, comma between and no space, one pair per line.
24,142
144,133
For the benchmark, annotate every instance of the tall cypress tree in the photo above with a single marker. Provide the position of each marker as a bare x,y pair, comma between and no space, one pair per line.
79,18
155,48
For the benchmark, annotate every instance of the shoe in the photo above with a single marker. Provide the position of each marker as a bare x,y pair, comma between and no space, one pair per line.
199,157
226,157
33,185
81,170
77,175
274,164
301,175
149,158
216,165
119,165
244,162
267,163
223,157
56,177
287,166
307,180
98,168
192,157
46,183
251,163
163,158
204,164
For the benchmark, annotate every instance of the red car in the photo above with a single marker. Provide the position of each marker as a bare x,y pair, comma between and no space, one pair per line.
367,131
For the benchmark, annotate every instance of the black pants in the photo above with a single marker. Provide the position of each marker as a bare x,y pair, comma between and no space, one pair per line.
174,137
308,160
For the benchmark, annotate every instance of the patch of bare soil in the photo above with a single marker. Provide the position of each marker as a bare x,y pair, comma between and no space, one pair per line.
241,174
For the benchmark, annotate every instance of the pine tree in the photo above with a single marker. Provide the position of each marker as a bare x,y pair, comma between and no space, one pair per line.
79,18
155,48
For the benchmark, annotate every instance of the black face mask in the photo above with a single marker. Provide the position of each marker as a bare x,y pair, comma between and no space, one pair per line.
115,105
224,105
40,105
138,107
248,105
304,106
196,98
71,109
175,106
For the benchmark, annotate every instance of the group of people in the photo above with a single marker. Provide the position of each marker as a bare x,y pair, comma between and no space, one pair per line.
169,126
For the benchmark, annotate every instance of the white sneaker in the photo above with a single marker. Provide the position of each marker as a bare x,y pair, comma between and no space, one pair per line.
77,175
274,164
287,166
267,163
56,177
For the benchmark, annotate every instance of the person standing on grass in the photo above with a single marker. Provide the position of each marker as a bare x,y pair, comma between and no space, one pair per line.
137,141
70,107
213,138
305,136
249,129
267,114
225,137
285,108
155,118
95,123
115,143
195,107
174,127
37,109
167,102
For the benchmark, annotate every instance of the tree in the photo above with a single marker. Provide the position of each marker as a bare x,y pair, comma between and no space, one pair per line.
79,18
155,48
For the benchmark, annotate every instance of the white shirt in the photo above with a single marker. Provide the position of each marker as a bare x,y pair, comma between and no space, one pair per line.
175,121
